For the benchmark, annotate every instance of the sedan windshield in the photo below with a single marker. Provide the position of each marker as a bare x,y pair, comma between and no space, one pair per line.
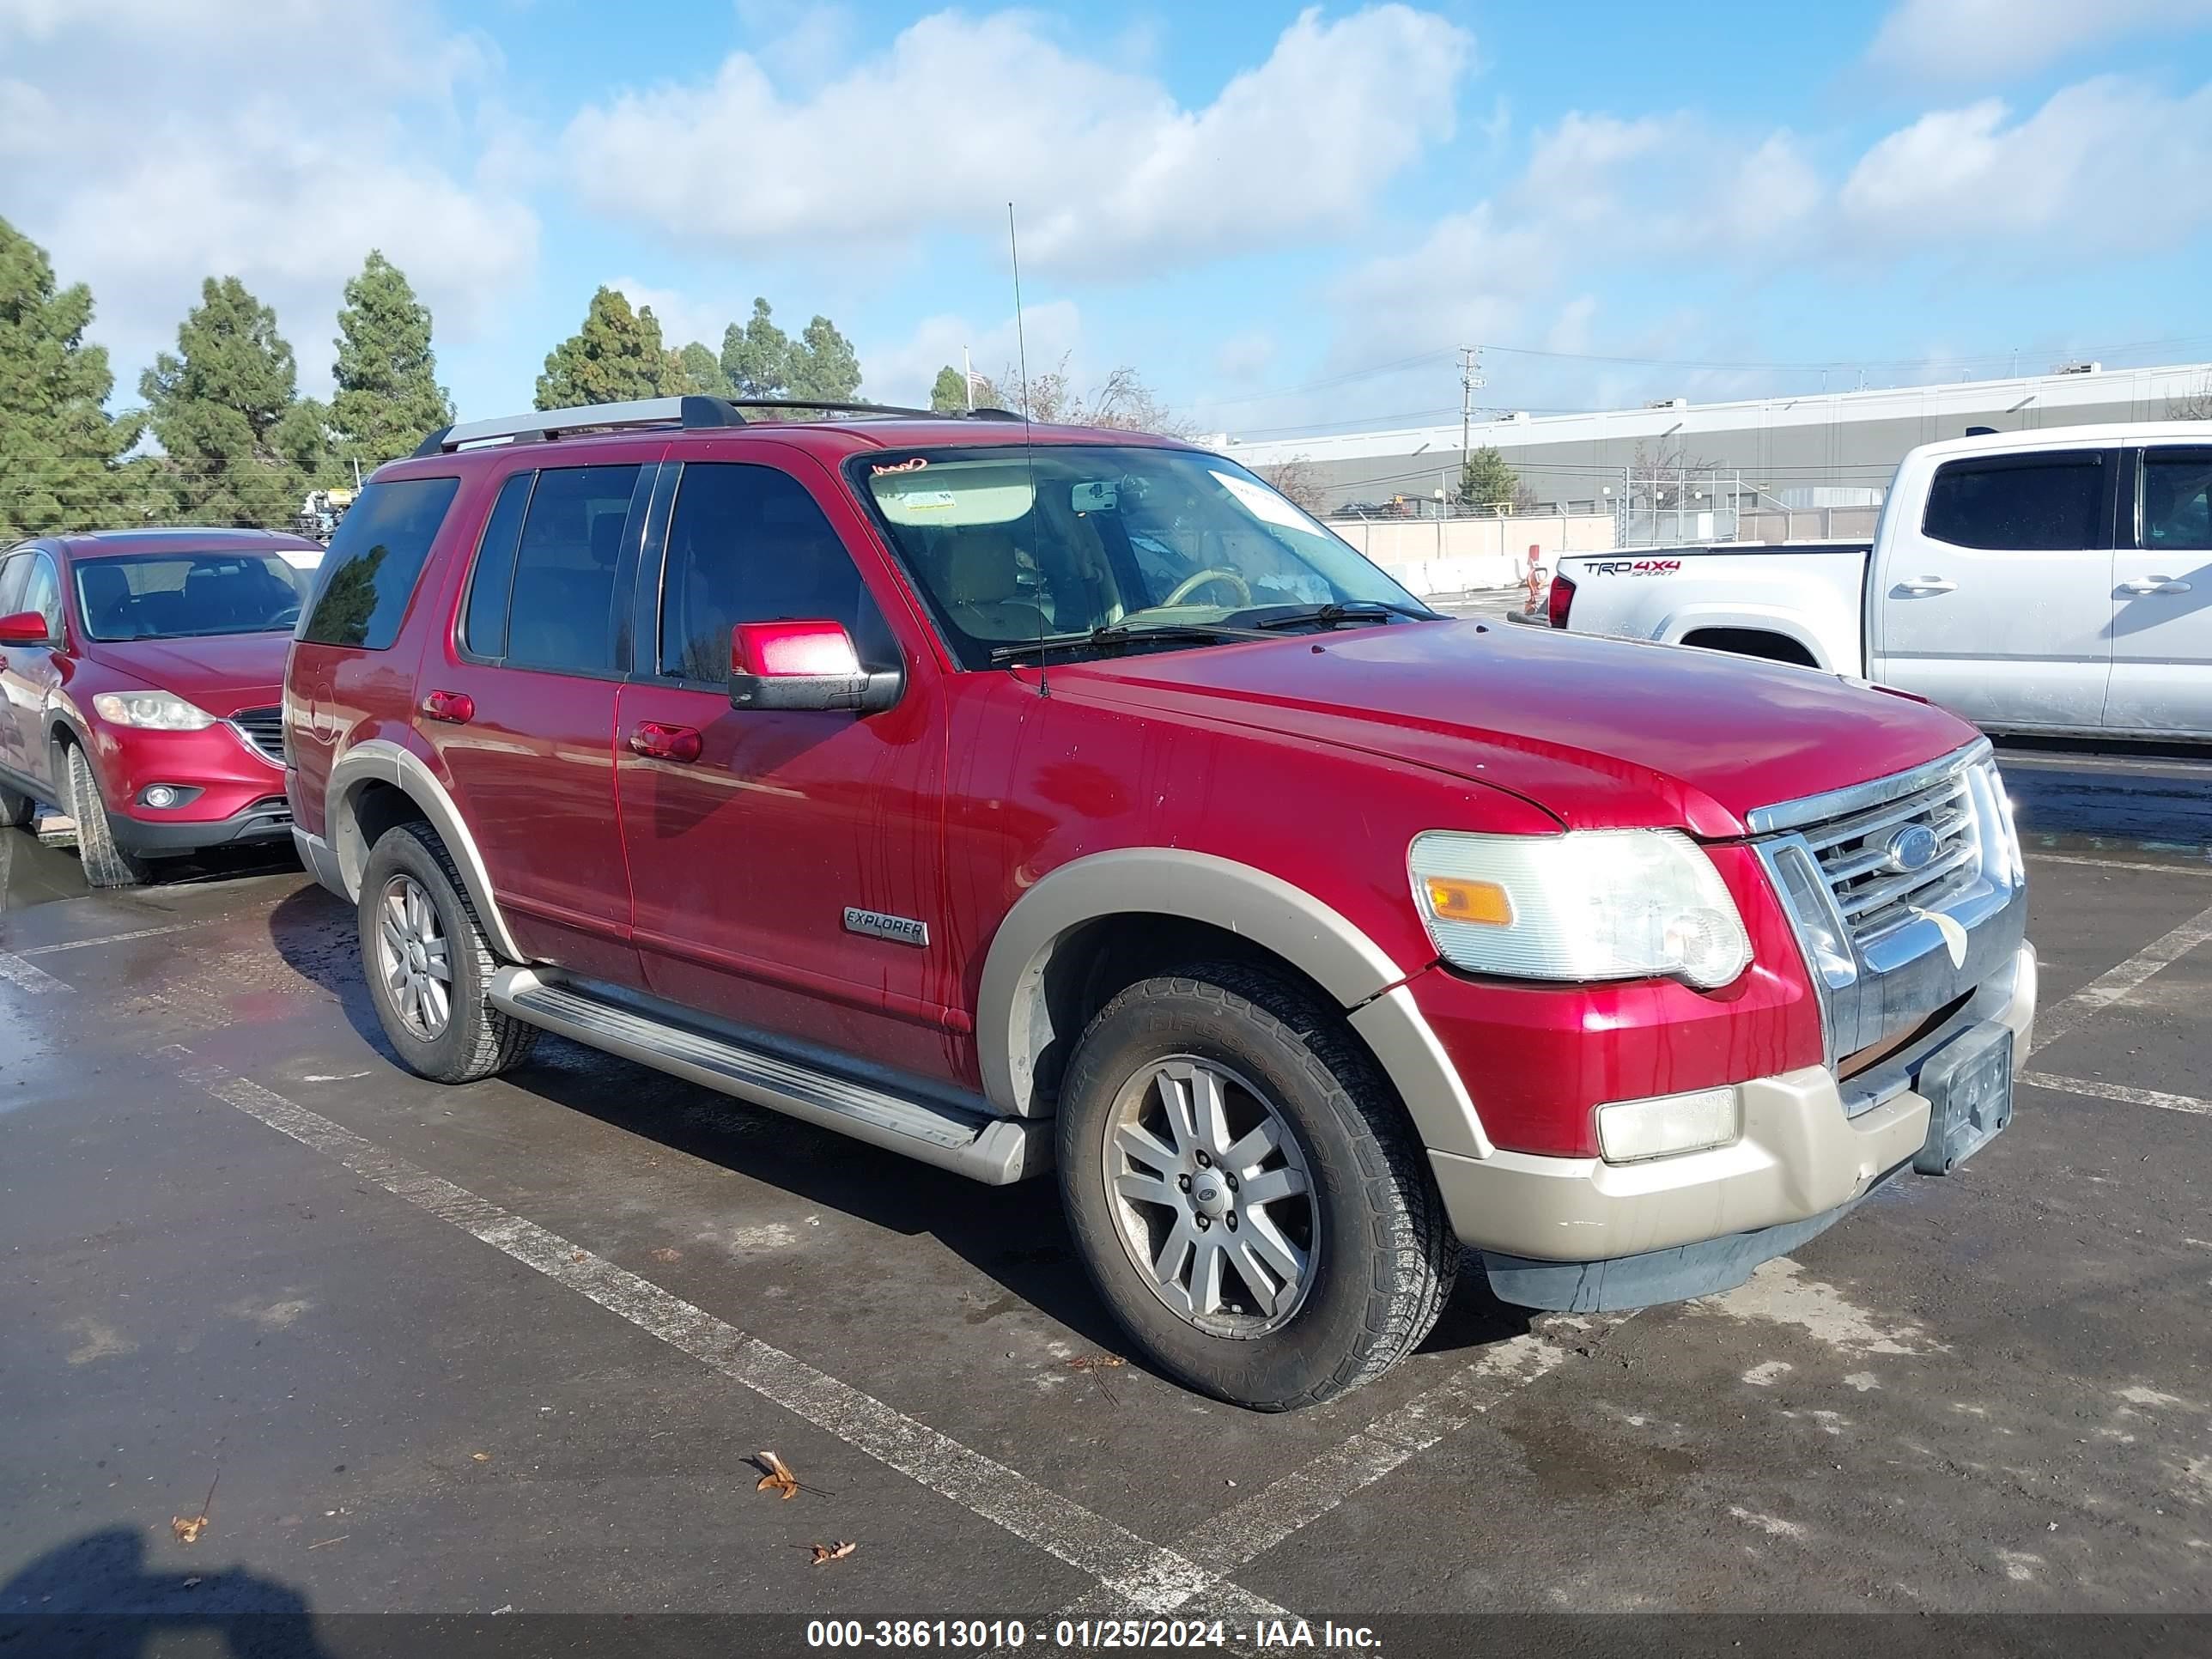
175,595
1091,547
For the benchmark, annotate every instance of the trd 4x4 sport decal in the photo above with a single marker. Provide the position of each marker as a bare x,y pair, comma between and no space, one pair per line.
1635,567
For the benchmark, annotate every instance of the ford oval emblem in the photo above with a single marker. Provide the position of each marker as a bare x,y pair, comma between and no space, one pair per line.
1911,848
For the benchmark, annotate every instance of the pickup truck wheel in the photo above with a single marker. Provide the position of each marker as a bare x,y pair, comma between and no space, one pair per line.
428,962
106,864
1245,1191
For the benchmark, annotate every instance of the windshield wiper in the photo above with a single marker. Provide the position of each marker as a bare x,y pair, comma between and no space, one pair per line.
1120,633
1332,614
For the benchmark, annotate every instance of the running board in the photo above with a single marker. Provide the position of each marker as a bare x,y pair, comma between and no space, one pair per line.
996,1151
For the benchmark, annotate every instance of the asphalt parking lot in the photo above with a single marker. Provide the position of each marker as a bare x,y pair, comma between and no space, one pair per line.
512,1348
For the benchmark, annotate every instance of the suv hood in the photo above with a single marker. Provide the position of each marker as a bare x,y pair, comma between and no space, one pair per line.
221,672
1600,733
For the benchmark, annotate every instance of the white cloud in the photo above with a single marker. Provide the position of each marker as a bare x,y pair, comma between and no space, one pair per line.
958,115
903,371
2107,163
1992,40
682,319
231,161
1244,357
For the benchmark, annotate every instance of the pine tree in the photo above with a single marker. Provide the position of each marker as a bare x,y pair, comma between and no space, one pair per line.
697,369
756,358
1488,480
615,357
949,394
388,395
243,447
61,465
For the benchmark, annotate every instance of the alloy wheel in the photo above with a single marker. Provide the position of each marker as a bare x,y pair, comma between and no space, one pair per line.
414,955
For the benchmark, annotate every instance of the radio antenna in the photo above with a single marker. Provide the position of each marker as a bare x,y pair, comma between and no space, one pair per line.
1029,447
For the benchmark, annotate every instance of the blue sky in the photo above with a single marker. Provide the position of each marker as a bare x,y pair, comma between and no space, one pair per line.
1283,219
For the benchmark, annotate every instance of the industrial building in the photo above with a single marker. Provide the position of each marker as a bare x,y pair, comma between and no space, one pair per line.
1763,468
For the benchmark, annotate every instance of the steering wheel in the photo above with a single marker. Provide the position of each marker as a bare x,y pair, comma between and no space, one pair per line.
1190,585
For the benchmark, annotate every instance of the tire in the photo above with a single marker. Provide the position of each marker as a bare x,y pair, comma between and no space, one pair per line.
15,810
469,1039
1379,1257
106,864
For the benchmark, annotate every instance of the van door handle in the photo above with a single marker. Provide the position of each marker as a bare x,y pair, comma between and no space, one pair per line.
655,741
2154,584
1927,585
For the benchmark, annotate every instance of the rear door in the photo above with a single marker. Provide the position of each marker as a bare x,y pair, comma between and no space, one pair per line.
1995,603
749,843
541,645
2161,602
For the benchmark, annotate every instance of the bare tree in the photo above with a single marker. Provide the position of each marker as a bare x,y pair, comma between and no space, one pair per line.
1667,473
1122,402
1298,480
2197,406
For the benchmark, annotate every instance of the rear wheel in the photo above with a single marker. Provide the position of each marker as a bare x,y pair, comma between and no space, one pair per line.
15,810
106,864
430,966
1245,1190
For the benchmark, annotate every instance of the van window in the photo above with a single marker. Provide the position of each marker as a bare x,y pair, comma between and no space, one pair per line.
2177,511
374,561
2028,503
565,611
748,544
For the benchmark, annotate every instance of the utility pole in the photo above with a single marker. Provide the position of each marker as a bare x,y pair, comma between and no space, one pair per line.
1470,378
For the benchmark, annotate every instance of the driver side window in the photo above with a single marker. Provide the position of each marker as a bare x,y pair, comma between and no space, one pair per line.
42,592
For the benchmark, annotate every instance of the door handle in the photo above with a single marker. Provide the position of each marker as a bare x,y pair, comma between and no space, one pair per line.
1927,585
2154,584
455,707
656,741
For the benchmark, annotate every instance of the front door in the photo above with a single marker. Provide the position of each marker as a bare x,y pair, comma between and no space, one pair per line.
2161,603
542,646
1995,605
752,832
16,713
32,674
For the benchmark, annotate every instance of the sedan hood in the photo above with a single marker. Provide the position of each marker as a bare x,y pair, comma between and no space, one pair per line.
223,673
1600,733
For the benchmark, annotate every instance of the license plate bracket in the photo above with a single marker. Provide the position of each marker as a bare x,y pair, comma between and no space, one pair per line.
1968,1085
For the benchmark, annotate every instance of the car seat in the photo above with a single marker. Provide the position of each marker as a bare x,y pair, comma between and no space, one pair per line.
982,582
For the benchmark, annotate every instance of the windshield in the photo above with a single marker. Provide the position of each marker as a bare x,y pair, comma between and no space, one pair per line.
1007,545
175,595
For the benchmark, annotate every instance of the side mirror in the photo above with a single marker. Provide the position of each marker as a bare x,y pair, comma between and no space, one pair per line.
804,664
24,628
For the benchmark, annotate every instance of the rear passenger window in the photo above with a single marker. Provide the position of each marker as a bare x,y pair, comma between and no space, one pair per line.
748,544
370,572
2177,511
565,611
2037,503
484,630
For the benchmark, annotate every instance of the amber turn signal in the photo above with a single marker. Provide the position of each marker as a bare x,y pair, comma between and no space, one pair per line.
1452,898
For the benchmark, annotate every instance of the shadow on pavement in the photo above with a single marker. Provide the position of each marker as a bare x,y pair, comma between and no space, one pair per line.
1016,1236
93,1598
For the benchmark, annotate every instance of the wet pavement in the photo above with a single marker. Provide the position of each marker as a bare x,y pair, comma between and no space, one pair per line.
513,1346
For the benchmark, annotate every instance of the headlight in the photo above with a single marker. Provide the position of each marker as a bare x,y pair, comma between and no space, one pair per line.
159,711
1594,904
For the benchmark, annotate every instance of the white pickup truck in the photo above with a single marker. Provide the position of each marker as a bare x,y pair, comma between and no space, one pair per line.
2054,581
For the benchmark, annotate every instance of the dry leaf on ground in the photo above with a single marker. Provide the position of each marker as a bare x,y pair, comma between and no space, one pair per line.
1096,1362
778,1476
188,1531
479,1457
832,1552
664,1254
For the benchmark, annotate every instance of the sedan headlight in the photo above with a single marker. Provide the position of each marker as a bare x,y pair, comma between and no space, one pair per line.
1596,905
158,711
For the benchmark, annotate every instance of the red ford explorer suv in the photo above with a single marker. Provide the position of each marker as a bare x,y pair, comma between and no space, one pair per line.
1064,799
141,671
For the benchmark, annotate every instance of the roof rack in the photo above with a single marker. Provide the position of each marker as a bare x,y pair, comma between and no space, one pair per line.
690,413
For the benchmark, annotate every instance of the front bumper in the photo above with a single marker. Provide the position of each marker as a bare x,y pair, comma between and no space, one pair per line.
267,819
1577,1233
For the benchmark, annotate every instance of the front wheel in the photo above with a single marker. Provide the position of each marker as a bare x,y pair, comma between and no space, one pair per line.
16,810
1245,1190
106,863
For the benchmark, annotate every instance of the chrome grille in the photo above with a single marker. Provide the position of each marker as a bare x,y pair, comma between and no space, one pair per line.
264,729
1875,895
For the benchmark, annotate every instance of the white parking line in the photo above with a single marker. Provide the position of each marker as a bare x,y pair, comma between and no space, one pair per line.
1139,1575
29,976
2121,864
117,938
2113,985
2096,1091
